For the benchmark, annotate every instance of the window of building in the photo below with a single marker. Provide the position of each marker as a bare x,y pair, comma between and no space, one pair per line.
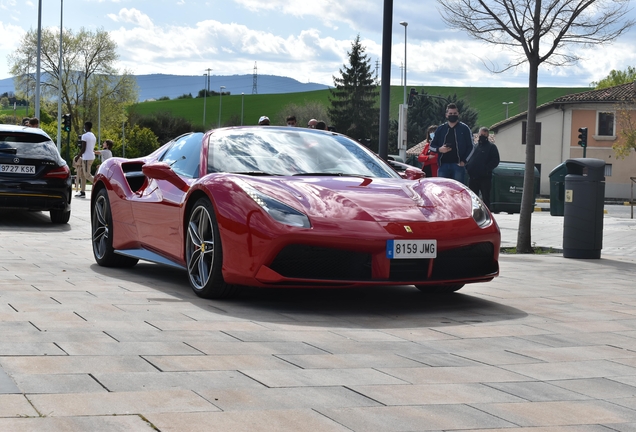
605,123
537,135
608,170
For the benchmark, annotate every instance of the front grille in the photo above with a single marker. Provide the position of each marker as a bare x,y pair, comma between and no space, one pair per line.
313,262
409,269
465,262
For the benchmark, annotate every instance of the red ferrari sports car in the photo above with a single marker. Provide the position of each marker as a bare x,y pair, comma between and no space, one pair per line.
289,207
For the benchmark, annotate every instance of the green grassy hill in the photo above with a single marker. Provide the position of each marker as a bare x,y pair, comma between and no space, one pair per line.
486,100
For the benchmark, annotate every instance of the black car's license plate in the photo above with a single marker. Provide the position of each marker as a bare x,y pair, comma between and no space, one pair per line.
17,169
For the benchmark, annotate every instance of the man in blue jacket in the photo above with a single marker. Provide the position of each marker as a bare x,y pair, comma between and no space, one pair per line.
454,142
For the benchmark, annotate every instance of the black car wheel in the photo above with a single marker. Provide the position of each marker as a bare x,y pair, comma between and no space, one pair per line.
204,254
439,289
102,235
60,216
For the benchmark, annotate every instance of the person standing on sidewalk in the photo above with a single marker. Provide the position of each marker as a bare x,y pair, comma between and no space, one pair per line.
427,157
87,149
454,142
484,160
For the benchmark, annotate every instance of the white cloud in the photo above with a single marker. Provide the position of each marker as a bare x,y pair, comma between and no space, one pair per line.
132,16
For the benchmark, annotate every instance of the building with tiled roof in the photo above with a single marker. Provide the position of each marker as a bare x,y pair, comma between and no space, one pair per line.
558,124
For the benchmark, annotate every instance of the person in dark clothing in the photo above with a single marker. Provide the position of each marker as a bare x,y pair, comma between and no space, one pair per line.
484,160
454,142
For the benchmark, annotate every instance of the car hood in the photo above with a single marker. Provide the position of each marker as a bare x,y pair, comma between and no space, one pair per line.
370,199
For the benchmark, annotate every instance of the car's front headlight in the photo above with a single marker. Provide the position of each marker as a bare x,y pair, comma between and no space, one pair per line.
277,210
480,212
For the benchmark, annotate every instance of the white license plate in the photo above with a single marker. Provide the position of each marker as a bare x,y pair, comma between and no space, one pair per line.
18,169
405,249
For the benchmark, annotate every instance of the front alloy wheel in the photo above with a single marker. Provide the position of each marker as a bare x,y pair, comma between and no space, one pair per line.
204,254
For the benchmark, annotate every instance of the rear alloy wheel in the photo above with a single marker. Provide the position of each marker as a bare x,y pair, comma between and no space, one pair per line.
60,216
204,254
102,235
439,289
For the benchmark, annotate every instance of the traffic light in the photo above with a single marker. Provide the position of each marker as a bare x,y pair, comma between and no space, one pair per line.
412,95
583,137
66,122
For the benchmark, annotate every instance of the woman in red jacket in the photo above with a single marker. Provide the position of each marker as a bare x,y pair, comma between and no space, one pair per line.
428,158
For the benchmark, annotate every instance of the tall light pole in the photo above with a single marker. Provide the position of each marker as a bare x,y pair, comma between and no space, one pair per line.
205,93
405,24
506,104
59,84
403,109
242,105
220,103
39,54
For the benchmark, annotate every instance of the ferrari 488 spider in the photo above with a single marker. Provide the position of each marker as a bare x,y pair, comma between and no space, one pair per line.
289,207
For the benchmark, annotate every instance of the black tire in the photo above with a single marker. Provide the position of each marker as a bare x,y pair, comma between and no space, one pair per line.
60,216
204,253
439,289
102,235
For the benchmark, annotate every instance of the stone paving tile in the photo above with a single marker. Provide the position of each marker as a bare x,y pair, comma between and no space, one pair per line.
7,385
43,337
154,335
183,363
467,374
537,391
628,402
229,399
490,331
313,337
573,339
419,334
56,383
16,406
559,413
578,353
128,423
29,349
623,427
114,348
254,348
75,364
577,428
497,357
431,394
424,418
82,404
343,361
443,360
208,325
195,381
301,420
598,388
352,347
571,370
321,377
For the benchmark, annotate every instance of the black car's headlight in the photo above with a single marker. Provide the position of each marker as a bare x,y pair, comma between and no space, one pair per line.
277,210
480,212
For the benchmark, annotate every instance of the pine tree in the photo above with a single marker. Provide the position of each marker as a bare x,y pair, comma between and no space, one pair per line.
354,110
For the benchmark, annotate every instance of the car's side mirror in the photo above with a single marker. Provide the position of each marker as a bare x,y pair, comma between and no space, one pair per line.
163,171
414,174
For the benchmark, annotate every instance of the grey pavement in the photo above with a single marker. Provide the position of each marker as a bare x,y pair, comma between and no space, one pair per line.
549,345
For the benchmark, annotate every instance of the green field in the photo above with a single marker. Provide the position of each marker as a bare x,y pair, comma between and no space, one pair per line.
486,100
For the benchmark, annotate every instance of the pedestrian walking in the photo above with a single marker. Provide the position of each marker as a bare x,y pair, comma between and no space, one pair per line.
87,149
480,166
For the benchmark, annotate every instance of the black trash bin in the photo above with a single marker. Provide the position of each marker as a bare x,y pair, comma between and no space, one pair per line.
583,215
557,190
507,187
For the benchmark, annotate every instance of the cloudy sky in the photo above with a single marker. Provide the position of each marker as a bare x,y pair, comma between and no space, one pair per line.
305,40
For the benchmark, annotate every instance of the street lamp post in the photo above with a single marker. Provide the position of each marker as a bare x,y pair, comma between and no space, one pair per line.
205,94
220,103
242,105
405,24
506,104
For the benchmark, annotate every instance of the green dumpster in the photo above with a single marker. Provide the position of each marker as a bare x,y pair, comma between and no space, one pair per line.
557,190
507,187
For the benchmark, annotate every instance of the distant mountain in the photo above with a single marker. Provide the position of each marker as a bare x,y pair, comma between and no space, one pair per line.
159,85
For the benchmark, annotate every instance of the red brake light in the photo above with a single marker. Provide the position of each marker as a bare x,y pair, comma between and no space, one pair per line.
61,172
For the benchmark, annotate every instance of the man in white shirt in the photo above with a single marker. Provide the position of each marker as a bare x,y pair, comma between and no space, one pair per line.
88,141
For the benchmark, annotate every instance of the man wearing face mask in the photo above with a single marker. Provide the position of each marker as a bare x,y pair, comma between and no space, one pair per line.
484,160
453,142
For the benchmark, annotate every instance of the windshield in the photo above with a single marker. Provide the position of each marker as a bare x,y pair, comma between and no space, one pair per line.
291,151
28,145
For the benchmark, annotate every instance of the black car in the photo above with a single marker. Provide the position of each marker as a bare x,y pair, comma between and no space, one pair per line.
33,175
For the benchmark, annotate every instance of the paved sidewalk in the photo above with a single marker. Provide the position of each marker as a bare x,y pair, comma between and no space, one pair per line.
549,345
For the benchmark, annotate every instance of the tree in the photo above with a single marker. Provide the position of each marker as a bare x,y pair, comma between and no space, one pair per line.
163,124
353,99
626,119
90,82
616,78
537,32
